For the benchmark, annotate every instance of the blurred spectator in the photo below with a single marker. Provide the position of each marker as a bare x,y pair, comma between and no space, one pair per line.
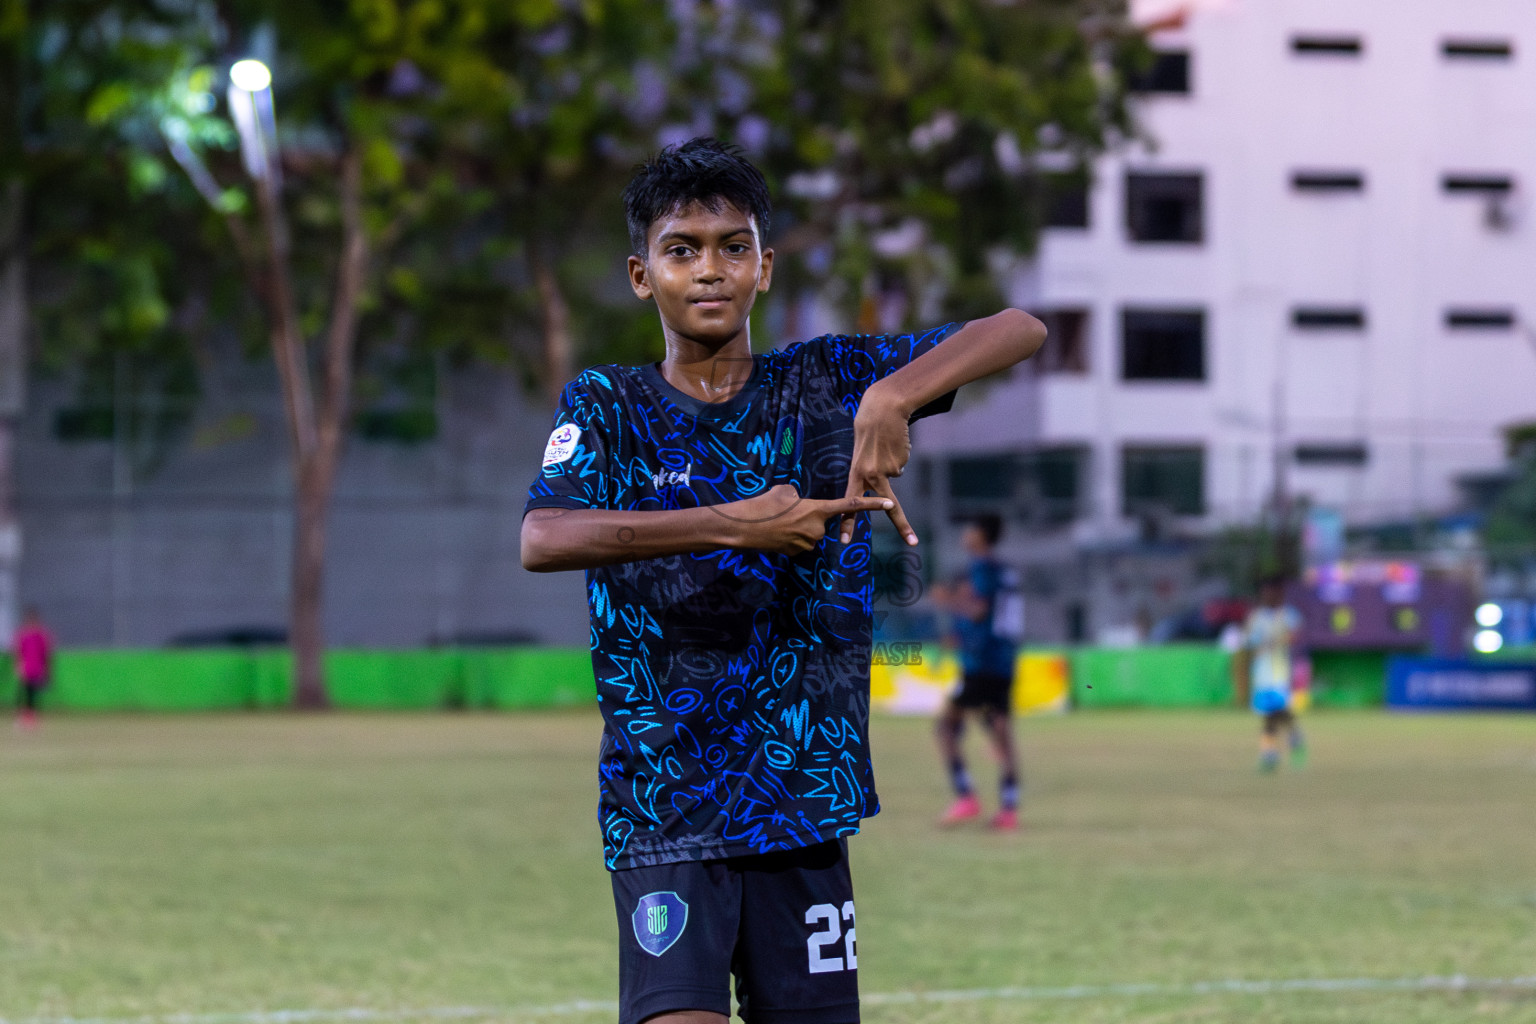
33,650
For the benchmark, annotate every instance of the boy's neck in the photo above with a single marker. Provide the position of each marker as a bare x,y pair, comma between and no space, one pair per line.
707,373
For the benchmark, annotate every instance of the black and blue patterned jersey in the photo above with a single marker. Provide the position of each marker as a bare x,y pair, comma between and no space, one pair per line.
734,685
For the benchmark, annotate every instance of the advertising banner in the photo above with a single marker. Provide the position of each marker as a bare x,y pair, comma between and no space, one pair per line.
1447,684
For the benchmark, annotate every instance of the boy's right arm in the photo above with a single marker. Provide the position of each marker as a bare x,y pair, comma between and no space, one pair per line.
778,521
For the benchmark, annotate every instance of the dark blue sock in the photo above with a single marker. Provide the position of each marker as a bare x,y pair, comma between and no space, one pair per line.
959,778
1008,791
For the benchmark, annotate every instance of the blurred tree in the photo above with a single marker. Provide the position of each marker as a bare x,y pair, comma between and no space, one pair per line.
444,170
1511,528
430,180
92,279
13,300
430,151
919,146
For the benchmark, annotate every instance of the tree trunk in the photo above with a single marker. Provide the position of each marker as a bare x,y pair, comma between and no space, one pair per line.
316,423
316,480
13,378
306,611
555,323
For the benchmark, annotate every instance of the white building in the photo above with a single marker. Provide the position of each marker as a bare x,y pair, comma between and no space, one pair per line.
1324,262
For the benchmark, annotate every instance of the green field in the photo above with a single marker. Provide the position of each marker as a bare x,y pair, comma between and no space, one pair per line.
405,864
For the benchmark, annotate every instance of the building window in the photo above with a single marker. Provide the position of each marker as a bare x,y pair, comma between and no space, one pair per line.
987,478
1328,318
1064,200
1477,49
1043,485
1328,181
1480,319
1049,486
1066,342
1168,73
1339,46
1478,184
1162,344
1164,207
1331,453
1162,480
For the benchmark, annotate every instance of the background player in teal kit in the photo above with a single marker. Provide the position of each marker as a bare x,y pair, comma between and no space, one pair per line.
715,500
988,620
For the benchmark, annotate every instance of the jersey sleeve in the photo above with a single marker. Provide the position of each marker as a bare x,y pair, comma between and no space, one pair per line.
858,360
574,470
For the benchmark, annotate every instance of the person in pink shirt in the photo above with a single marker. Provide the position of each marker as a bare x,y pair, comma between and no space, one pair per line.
33,649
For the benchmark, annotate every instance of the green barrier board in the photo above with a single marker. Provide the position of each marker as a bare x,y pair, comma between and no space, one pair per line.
230,680
529,677
1166,676
1349,679
150,681
399,680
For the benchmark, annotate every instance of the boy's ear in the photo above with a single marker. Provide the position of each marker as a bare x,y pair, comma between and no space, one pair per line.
639,278
766,277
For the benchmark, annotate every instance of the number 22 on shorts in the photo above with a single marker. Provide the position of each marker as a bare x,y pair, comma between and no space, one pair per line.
826,915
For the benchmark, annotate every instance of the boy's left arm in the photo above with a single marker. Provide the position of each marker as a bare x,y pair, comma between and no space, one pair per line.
881,442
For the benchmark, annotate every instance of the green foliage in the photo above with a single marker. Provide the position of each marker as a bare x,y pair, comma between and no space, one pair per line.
909,143
913,139
1512,520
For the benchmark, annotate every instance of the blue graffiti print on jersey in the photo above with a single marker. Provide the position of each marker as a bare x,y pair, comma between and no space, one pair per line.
734,684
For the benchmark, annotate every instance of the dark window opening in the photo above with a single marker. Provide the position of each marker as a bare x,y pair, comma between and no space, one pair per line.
1478,183
1164,207
397,426
1478,49
1328,453
1162,480
984,478
85,423
1328,181
1314,318
1480,319
1064,200
1162,344
1066,342
1049,488
1349,46
1041,486
1168,73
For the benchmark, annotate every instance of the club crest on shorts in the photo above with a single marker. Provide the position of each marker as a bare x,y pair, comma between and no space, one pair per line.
659,920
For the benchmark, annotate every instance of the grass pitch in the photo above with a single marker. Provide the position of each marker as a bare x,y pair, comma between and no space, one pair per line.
194,865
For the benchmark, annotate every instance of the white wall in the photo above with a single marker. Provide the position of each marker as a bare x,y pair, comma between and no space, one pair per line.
1428,402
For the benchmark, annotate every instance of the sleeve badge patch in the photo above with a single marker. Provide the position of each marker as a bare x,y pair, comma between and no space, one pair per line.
562,444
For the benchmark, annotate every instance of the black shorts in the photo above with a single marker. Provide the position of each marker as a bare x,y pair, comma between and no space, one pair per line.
782,923
988,691
1274,721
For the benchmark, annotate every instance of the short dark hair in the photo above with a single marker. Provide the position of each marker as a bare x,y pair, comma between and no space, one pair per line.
702,170
990,525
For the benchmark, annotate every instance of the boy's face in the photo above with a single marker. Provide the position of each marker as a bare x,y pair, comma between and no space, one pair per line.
704,270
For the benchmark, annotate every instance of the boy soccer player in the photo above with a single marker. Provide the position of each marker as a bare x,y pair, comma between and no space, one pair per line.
986,682
714,501
1268,636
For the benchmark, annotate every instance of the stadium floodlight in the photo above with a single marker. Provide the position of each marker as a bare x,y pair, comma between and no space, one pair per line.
1487,641
250,75
1489,615
250,104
